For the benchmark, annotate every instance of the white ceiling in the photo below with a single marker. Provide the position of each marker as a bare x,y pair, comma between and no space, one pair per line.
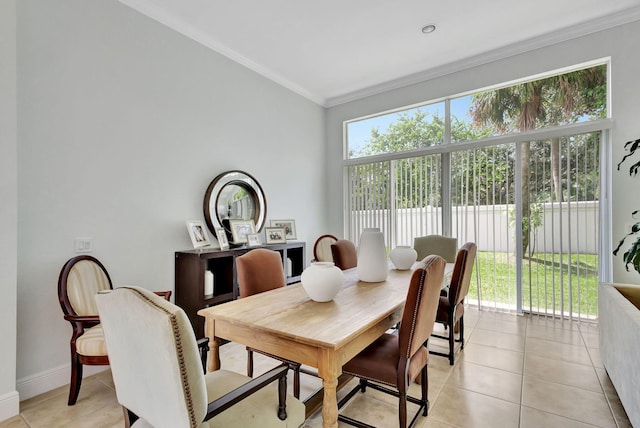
333,51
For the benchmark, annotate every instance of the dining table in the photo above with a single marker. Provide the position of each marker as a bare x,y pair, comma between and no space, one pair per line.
324,335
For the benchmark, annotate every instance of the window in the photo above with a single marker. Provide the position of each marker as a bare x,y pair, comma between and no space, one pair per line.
515,169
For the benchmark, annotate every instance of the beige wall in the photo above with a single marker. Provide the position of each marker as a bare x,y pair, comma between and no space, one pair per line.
8,209
619,43
122,125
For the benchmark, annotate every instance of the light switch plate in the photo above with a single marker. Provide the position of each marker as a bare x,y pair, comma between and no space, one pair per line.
83,245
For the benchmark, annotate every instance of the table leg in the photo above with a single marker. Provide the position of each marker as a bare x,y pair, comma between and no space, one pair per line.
213,363
329,372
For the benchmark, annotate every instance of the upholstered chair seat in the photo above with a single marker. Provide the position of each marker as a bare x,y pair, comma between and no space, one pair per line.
91,343
344,254
158,378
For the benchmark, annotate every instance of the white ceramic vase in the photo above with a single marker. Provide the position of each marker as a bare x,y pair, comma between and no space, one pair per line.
403,257
372,256
322,281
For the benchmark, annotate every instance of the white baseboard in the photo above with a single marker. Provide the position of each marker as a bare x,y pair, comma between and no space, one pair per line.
9,405
47,380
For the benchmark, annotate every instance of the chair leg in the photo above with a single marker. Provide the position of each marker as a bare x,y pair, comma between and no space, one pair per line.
296,380
461,322
402,409
424,380
249,363
452,337
203,346
76,379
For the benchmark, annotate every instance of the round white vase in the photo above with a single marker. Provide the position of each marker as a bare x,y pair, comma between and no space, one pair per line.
403,257
322,281
372,256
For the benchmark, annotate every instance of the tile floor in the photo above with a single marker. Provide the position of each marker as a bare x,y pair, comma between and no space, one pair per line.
515,371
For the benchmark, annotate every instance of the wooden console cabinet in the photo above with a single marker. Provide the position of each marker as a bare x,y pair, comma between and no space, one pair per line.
190,267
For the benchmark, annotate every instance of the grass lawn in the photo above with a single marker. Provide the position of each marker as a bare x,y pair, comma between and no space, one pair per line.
552,283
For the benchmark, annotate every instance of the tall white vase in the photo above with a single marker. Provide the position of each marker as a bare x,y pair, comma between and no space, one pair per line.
372,256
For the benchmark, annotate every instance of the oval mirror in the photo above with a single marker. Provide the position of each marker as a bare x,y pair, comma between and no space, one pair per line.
234,195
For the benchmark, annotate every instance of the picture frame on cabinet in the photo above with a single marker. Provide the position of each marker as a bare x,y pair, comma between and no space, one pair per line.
275,235
240,229
289,226
198,234
254,240
221,235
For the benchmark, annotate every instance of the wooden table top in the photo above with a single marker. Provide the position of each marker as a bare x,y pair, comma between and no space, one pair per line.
289,313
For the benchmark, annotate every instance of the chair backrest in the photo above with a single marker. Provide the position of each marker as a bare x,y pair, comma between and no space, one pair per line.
259,270
81,278
154,358
344,254
420,309
442,246
322,248
461,276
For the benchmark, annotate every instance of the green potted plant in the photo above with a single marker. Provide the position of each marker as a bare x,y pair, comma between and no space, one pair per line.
632,255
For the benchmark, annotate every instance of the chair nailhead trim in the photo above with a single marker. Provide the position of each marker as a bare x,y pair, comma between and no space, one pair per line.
179,350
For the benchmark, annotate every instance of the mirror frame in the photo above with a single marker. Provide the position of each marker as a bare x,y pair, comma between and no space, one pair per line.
238,178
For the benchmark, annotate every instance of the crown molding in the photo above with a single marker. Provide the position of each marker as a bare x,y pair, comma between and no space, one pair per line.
575,31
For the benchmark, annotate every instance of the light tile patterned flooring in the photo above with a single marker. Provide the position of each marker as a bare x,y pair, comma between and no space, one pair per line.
515,371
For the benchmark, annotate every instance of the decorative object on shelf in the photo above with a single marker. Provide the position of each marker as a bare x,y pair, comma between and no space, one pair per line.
208,283
223,241
372,256
253,240
322,281
240,229
632,255
403,257
289,226
198,234
234,195
289,267
275,235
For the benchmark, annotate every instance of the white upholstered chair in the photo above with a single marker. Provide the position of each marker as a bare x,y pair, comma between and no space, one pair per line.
158,378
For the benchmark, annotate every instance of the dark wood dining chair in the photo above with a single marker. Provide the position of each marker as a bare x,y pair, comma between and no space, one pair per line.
322,248
344,254
451,307
395,360
258,271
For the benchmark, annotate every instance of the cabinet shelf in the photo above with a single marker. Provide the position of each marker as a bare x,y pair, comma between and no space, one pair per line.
190,267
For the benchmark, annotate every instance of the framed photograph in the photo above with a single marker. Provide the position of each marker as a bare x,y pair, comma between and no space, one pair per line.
254,240
198,234
275,235
221,235
240,229
288,225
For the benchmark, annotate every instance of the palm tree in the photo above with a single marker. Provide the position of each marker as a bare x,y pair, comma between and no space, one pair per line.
545,102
